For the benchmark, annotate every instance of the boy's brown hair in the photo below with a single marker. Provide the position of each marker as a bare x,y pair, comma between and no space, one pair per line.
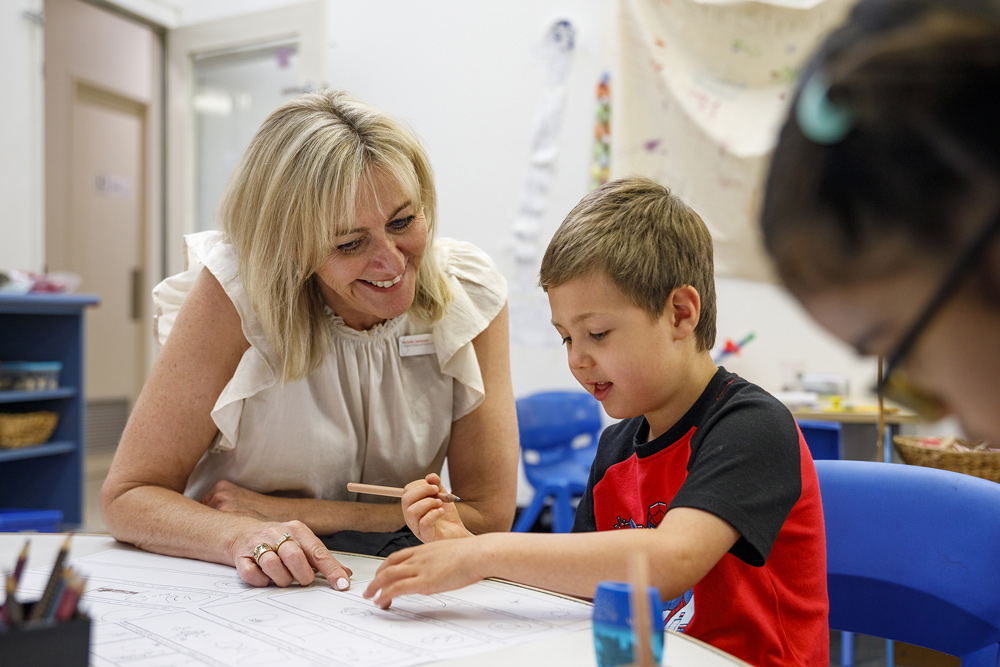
645,239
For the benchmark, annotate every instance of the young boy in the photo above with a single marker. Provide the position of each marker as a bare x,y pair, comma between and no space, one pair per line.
714,463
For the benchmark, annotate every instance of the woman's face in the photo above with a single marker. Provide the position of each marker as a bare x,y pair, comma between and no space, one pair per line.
371,275
956,357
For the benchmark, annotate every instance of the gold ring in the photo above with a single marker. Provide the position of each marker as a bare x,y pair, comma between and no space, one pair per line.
260,550
284,538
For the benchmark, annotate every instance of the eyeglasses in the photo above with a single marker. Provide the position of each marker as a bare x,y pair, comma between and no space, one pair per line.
894,384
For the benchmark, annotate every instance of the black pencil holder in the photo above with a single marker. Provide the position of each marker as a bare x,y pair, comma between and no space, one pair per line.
46,643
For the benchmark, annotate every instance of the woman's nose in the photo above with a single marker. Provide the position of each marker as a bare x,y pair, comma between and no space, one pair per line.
388,257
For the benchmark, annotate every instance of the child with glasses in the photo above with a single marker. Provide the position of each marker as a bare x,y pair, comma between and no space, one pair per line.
712,466
882,205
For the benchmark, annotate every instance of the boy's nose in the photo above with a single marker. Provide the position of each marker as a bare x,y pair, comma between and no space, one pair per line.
578,358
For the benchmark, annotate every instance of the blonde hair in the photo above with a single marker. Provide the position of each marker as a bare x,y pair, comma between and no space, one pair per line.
294,190
645,239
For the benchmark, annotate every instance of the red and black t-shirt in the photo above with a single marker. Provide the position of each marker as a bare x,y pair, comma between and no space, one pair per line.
738,454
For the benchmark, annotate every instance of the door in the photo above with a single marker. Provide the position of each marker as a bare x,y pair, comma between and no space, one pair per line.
102,82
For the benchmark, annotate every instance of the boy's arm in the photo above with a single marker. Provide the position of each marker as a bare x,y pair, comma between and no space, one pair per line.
685,546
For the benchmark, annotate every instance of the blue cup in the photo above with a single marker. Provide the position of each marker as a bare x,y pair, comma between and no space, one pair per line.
614,637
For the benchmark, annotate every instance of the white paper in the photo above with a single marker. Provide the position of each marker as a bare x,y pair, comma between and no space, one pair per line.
149,609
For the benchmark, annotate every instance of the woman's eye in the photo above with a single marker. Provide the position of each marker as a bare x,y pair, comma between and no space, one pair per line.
400,224
350,246
599,336
567,340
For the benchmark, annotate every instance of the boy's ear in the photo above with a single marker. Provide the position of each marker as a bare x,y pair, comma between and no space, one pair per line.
684,310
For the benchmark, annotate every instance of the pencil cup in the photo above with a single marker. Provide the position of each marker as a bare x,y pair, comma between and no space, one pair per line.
613,633
46,643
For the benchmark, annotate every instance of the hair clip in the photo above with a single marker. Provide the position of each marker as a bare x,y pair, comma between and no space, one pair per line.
820,119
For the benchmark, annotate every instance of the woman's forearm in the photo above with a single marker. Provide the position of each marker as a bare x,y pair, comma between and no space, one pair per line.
164,521
325,517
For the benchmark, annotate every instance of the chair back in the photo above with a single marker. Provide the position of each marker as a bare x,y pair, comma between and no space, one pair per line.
913,554
550,423
822,438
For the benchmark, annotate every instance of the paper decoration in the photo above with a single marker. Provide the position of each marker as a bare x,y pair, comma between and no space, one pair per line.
701,89
555,54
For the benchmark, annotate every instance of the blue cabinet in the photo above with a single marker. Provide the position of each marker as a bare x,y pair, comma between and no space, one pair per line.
46,327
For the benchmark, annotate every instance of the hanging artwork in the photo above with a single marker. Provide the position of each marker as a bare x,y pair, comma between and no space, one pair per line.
528,308
701,88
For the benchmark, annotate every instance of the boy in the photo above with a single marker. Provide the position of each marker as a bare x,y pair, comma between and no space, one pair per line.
715,464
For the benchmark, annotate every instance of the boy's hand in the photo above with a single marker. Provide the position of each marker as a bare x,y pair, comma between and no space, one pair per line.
429,517
429,568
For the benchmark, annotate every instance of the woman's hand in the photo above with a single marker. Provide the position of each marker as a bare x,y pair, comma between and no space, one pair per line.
429,517
284,561
427,569
234,499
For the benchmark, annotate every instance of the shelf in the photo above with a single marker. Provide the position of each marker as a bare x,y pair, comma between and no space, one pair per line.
34,451
28,396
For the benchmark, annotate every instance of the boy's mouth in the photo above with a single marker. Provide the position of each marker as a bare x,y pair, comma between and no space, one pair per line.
602,389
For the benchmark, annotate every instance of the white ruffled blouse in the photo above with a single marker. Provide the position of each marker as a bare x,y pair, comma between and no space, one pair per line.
367,414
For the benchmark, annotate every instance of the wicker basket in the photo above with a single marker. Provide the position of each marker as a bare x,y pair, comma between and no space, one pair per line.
26,428
983,463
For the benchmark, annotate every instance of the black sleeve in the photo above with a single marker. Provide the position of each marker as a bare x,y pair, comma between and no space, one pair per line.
745,469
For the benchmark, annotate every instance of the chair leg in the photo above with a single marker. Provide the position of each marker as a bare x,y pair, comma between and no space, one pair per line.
846,649
562,512
530,514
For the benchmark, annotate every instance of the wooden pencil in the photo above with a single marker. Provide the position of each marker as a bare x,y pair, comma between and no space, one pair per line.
50,588
392,491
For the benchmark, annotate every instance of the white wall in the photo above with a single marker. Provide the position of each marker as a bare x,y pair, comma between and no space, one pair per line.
22,232
466,76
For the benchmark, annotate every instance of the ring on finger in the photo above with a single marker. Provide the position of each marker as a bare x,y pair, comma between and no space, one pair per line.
260,550
287,537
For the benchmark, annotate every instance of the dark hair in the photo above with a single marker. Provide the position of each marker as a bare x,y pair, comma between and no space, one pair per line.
645,239
919,82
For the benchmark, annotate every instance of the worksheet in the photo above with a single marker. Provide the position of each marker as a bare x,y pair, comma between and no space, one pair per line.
158,611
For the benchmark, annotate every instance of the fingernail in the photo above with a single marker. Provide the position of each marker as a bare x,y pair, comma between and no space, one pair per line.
342,584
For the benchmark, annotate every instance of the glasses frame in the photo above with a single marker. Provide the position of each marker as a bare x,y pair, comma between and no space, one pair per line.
966,261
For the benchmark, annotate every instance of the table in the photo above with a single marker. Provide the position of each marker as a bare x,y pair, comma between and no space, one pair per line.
574,648
859,431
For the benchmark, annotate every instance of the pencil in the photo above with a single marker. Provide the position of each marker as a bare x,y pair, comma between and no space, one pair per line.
392,491
21,560
15,613
50,588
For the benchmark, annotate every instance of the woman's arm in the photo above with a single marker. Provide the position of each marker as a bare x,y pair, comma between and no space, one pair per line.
169,429
482,455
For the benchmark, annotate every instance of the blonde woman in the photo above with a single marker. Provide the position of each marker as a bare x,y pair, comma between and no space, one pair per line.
322,337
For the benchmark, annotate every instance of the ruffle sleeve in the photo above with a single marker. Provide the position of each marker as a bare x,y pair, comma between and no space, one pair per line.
254,373
479,292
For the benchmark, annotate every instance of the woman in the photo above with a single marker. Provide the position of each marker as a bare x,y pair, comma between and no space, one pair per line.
323,337
883,201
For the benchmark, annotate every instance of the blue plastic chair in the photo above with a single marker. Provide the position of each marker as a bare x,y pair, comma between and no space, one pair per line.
823,439
551,424
912,556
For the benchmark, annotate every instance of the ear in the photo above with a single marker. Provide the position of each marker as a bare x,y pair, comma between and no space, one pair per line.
684,310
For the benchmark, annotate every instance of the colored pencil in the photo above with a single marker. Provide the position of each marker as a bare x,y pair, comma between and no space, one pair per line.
21,560
392,491
15,614
42,605
67,605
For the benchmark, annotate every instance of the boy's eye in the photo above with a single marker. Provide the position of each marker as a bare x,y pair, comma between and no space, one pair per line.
400,224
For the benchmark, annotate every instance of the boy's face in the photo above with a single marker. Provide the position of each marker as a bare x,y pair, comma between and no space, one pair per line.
628,361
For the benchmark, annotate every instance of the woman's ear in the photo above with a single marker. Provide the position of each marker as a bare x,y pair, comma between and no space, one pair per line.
684,310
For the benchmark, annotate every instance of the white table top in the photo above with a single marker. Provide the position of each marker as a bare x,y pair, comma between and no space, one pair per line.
575,648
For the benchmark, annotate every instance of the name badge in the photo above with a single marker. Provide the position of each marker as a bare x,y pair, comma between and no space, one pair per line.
411,346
